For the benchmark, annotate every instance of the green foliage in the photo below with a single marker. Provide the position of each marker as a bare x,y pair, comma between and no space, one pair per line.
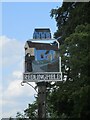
70,98
31,111
69,16
77,51
20,116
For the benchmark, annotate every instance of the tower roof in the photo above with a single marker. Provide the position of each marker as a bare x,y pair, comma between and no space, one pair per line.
40,46
42,29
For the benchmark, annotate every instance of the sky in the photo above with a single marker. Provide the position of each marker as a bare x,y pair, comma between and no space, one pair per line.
20,19
18,22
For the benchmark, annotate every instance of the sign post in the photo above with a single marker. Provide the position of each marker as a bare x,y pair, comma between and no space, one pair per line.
42,65
41,100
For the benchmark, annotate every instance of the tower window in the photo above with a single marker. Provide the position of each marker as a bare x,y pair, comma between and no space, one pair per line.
42,56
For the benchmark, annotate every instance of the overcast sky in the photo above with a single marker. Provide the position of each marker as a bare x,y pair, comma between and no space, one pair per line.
18,22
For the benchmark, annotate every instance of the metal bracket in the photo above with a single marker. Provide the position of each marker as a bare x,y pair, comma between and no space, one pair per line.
22,84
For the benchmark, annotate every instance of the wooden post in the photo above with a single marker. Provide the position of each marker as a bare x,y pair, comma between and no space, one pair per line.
41,100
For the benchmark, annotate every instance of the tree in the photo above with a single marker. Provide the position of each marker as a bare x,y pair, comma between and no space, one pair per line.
71,97
20,116
69,16
31,111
